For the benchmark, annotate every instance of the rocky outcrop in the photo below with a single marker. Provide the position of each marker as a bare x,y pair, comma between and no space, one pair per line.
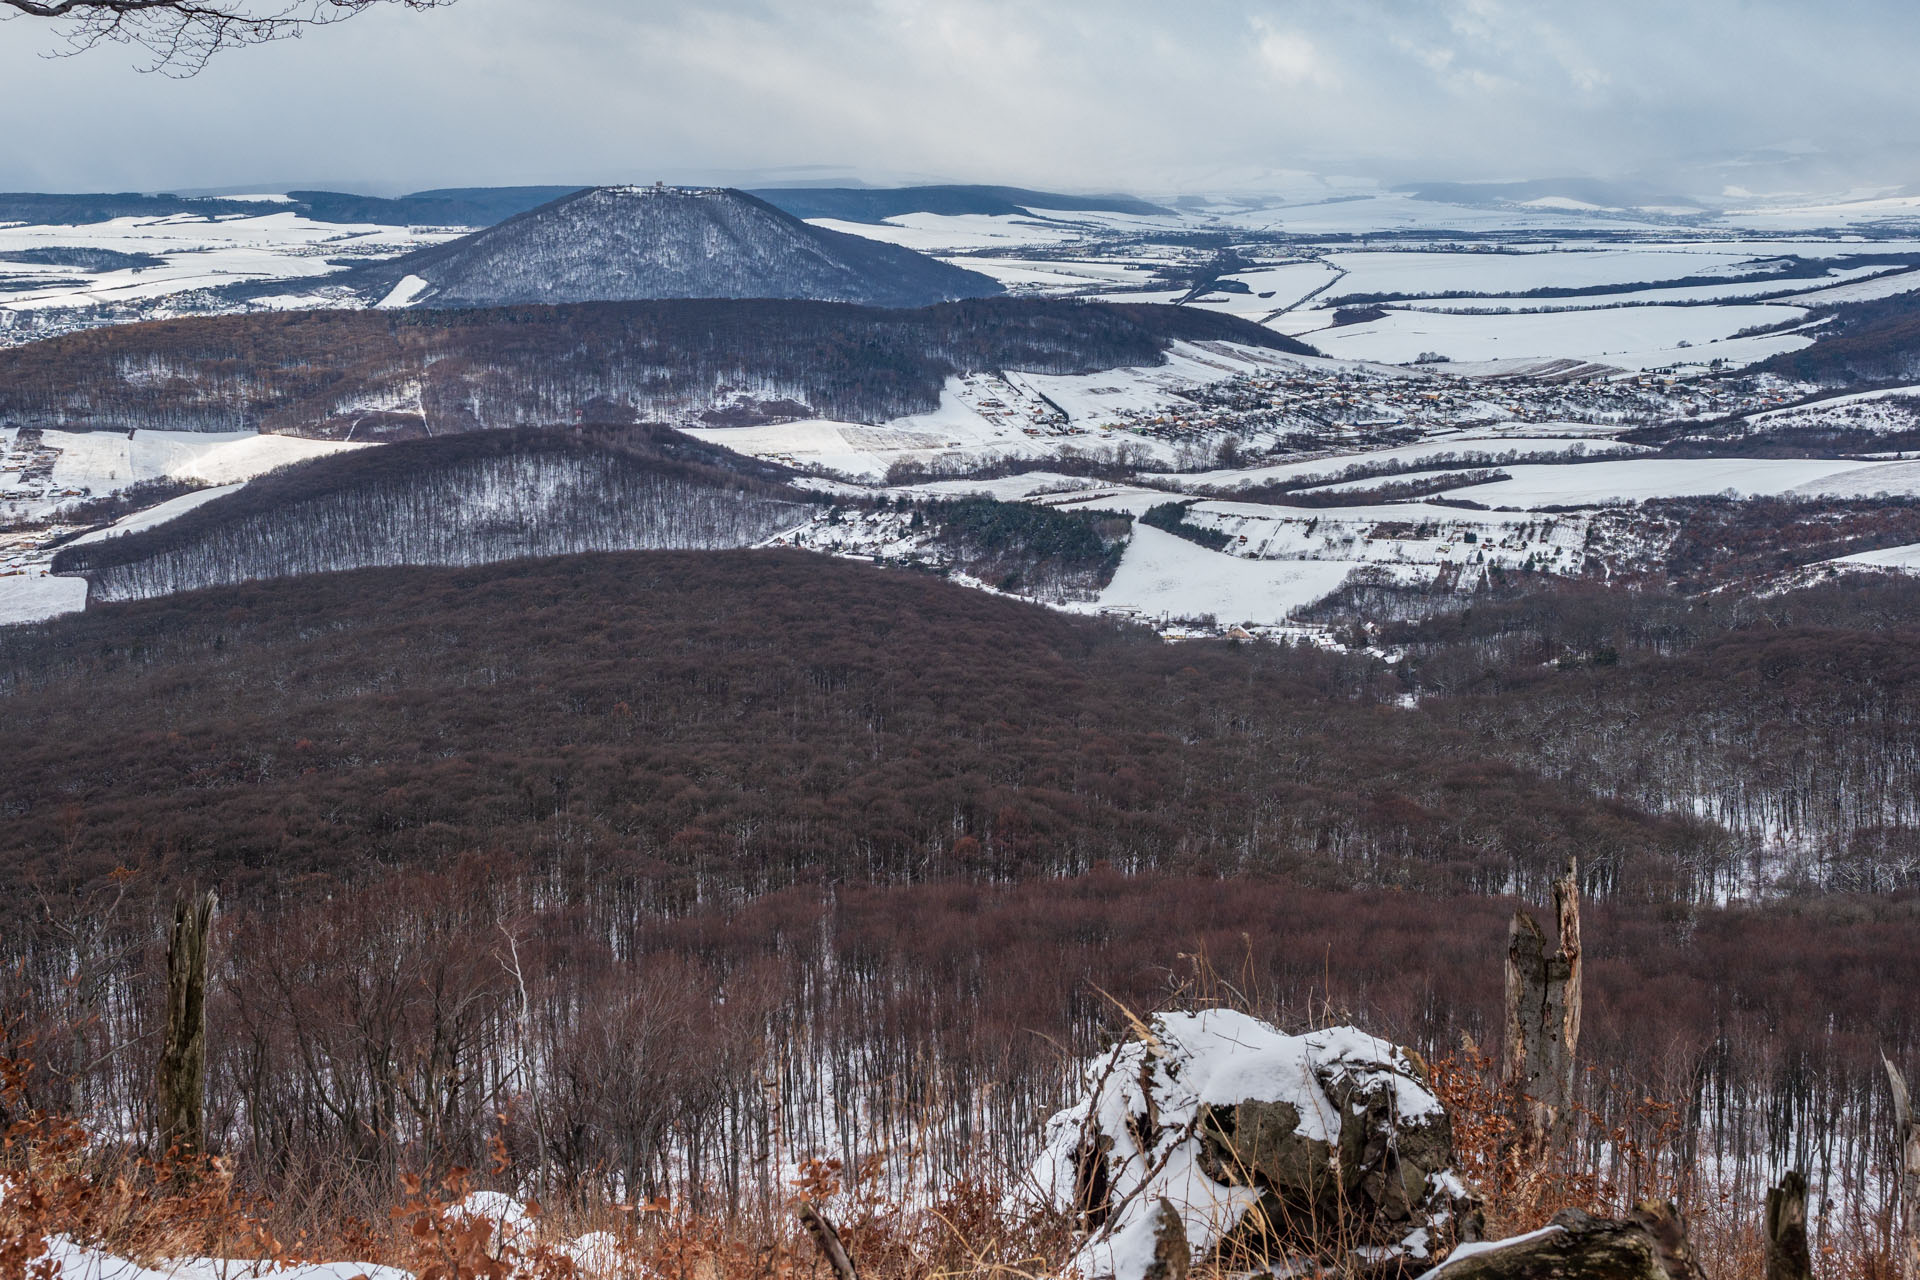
1268,1150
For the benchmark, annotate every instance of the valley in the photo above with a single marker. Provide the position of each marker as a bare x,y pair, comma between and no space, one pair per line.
875,633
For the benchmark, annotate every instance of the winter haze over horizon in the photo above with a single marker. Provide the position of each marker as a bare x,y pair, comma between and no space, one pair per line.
1713,100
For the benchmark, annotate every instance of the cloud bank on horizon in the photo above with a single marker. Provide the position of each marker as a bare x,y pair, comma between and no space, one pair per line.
1707,98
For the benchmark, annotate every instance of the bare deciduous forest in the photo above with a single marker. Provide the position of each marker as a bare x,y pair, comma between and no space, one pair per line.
386,375
649,874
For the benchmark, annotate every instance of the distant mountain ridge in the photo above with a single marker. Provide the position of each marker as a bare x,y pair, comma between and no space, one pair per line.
488,206
448,207
1596,192
621,244
877,204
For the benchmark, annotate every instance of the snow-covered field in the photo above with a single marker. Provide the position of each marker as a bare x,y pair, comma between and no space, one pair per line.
32,595
1881,280
1625,338
1010,415
1836,404
156,515
198,253
1164,578
1464,448
1642,480
1171,430
95,463
1427,272
952,233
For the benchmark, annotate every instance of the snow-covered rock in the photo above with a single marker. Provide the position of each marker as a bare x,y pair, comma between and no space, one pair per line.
1268,1147
1650,1243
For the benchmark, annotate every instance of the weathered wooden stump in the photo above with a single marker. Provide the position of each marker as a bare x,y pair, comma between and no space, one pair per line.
183,1050
1651,1244
1543,1015
1786,1226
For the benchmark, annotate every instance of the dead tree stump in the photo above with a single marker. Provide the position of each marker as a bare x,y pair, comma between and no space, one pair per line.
827,1240
183,1049
1543,1015
1787,1255
1649,1245
1907,1138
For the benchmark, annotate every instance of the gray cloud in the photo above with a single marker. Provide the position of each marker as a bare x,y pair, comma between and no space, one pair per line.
1080,94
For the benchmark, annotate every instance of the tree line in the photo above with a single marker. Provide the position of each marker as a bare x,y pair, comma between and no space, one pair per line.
417,372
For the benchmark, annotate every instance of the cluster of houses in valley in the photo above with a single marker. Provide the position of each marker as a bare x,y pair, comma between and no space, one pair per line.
1357,402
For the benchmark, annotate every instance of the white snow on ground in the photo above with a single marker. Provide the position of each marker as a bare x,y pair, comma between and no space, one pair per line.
1627,337
198,253
1895,479
1400,211
1898,559
1106,398
1024,487
402,294
1468,448
159,514
1819,407
32,595
79,1262
513,1229
1900,212
1433,272
1272,289
1014,415
28,593
1024,276
979,415
845,448
1084,273
1165,577
1641,480
948,233
96,463
107,460
1884,286
1793,291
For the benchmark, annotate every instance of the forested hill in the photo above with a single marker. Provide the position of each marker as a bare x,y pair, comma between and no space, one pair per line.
1862,343
614,244
468,499
384,375
742,719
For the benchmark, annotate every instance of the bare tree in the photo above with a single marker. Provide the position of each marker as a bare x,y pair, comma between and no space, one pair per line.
182,34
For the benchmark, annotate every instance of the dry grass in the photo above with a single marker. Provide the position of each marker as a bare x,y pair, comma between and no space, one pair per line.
60,1179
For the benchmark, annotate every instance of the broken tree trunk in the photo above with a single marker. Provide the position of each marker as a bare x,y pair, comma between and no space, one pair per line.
1907,1137
183,1051
1543,1015
1649,1245
827,1240
1787,1256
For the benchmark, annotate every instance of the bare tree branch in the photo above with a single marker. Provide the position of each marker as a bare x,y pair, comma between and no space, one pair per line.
182,34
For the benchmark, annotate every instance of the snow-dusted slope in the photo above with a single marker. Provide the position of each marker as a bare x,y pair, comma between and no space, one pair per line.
1165,578
625,243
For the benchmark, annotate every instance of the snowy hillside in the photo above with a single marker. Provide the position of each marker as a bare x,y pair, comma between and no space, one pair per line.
620,243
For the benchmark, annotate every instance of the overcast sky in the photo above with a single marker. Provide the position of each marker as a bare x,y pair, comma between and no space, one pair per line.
1155,97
